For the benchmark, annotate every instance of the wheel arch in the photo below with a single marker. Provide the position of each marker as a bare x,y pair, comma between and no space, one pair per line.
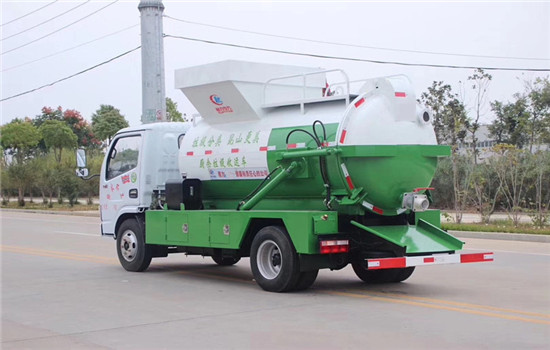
139,217
253,227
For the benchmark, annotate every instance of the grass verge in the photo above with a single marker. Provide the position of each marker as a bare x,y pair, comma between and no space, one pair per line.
498,227
56,206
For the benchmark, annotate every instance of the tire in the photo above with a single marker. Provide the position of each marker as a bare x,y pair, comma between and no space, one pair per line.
380,276
306,279
225,261
274,261
134,255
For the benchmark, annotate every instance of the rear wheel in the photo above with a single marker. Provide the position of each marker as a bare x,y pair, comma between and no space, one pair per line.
380,276
134,255
274,261
306,279
225,261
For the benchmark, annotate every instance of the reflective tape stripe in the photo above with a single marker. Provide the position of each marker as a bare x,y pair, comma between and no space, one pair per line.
346,175
343,136
267,148
372,207
296,145
437,259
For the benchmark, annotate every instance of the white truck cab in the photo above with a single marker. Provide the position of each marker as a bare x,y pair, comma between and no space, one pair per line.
137,164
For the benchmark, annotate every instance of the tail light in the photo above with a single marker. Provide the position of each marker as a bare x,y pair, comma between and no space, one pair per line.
334,246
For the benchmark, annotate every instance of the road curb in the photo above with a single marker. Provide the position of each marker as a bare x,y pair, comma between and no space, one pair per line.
522,237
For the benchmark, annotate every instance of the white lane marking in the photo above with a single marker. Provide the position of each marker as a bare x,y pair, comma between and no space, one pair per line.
78,233
56,221
508,251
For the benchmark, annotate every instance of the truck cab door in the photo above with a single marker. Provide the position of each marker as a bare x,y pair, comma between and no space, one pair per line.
120,179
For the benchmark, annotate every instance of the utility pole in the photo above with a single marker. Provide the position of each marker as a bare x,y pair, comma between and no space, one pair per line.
152,62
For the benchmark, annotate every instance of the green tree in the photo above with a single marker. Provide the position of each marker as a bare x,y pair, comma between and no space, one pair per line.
509,126
512,168
48,113
538,195
19,138
172,113
106,121
57,136
450,120
538,106
48,177
81,128
480,83
486,190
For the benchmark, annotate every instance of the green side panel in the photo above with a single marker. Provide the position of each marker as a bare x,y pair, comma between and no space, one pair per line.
422,238
228,228
177,227
155,227
432,216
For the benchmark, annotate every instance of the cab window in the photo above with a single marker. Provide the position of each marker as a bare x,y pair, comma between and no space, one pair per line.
123,156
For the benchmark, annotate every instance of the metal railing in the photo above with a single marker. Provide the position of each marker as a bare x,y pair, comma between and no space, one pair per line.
304,99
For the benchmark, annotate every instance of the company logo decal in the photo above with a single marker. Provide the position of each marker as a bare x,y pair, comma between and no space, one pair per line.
216,100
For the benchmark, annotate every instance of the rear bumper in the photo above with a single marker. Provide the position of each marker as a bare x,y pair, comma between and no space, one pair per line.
436,259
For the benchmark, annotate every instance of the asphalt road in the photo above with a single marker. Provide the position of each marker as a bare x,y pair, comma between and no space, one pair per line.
62,288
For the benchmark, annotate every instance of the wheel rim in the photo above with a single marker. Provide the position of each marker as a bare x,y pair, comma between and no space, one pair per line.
128,245
269,259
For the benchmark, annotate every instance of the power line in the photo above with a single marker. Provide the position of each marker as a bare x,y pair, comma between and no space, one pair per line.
30,13
60,29
354,45
46,21
358,59
73,75
69,49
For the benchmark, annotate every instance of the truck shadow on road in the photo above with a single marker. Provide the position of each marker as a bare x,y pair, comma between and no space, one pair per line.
327,281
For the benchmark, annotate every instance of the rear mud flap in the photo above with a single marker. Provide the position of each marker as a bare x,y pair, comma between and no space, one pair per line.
422,238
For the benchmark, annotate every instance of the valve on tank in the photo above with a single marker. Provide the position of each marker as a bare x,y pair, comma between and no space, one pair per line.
415,201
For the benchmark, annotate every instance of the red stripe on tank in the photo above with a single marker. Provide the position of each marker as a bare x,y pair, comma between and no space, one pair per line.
343,136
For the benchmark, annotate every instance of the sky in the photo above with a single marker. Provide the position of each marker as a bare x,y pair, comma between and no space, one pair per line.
456,34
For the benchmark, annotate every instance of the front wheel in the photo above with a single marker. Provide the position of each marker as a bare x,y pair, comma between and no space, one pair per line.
273,260
134,255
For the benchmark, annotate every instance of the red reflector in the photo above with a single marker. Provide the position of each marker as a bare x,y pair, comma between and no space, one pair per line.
234,150
207,152
359,103
400,94
189,153
429,260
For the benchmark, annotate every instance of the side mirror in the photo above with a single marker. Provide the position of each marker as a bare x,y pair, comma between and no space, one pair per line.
81,172
81,163
81,158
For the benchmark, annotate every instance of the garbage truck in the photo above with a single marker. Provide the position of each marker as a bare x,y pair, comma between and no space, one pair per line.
283,167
